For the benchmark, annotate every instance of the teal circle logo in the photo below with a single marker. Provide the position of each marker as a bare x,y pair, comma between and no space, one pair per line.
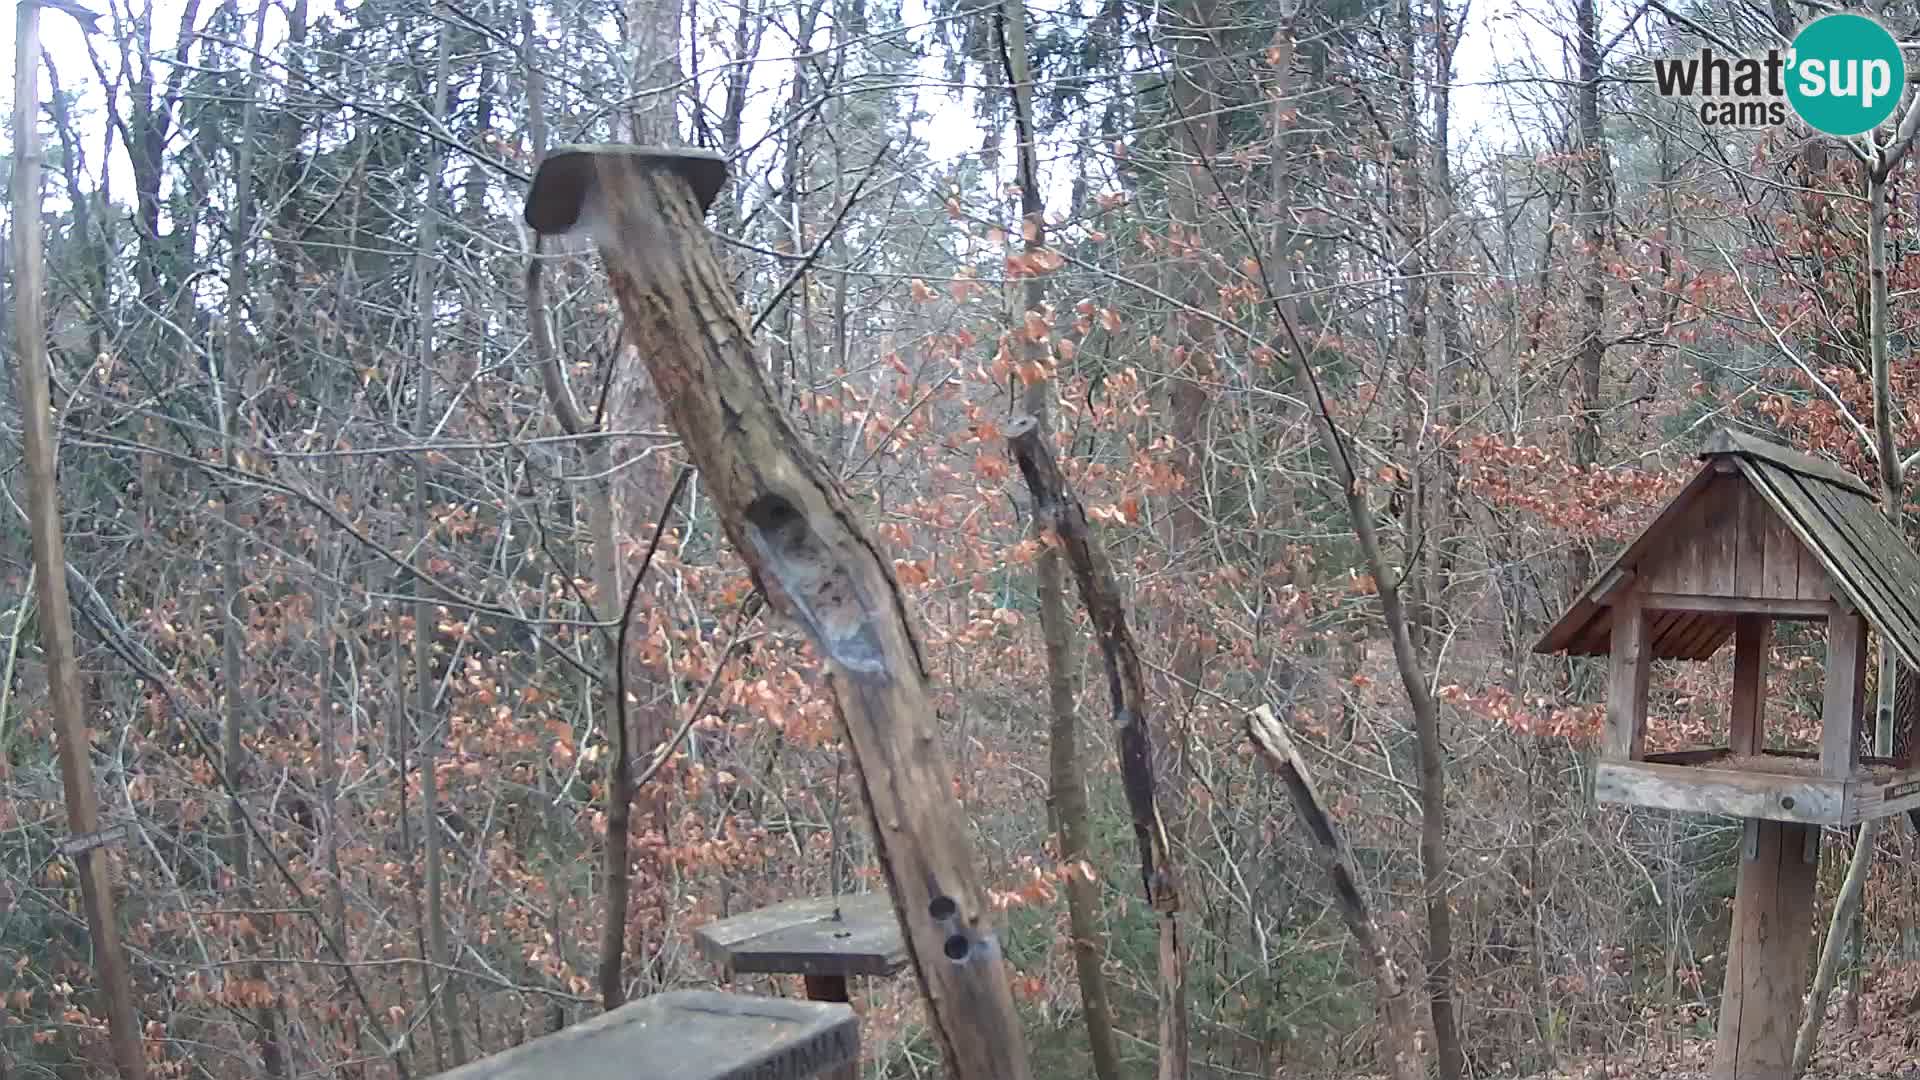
1847,74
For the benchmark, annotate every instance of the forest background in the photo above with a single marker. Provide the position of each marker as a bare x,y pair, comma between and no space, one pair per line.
334,539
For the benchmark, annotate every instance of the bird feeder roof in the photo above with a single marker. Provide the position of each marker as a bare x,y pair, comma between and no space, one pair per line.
1760,529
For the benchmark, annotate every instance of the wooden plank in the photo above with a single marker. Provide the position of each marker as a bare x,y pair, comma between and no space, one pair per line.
1699,638
1783,608
1846,675
1701,789
1727,441
1716,543
1880,550
1767,955
1628,663
1679,562
1811,527
1747,728
688,1035
1815,584
1784,551
1751,517
1699,755
802,937
1886,587
1708,755
1877,798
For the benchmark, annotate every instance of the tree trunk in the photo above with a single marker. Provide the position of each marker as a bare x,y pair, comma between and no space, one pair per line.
1590,347
1846,905
449,1025
228,383
39,451
809,554
1066,785
1056,506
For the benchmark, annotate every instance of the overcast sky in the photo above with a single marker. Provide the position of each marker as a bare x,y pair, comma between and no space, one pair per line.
1502,33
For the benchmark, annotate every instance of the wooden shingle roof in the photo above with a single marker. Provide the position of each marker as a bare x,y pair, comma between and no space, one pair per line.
1833,516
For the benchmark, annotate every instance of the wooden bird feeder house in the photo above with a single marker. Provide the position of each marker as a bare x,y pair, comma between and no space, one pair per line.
1761,534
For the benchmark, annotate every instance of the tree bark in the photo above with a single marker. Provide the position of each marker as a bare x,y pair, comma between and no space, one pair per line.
1592,215
228,387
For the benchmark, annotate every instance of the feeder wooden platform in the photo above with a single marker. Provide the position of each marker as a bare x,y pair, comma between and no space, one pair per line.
687,1035
802,937
1775,785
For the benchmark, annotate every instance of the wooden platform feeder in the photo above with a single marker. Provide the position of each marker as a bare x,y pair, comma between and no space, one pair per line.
826,941
687,1035
1761,534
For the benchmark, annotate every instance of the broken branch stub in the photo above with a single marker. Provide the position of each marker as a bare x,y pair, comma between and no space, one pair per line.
1060,510
1399,1046
792,525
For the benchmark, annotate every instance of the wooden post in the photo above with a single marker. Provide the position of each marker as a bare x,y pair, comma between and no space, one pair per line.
809,554
1748,728
832,988
1767,957
1846,683
1628,664
86,842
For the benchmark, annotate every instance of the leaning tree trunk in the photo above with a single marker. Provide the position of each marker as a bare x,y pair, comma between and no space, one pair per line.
1055,505
810,555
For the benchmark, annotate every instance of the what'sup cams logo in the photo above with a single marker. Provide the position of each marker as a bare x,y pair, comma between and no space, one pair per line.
1842,75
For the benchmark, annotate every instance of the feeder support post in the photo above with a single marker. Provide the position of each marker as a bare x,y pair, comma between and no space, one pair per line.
809,553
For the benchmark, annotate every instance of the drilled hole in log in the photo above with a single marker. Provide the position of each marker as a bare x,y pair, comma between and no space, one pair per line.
822,593
1786,802
957,947
942,907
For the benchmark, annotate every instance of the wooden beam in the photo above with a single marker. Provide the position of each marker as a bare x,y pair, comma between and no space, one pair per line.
811,556
1628,665
1767,956
1884,796
1705,789
1751,634
1738,605
1840,710
688,1035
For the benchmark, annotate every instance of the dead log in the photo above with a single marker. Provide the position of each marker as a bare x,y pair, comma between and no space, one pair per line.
791,523
1399,1049
1055,504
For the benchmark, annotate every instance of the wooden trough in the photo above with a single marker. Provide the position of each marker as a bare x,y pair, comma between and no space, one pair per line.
1761,534
687,1035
